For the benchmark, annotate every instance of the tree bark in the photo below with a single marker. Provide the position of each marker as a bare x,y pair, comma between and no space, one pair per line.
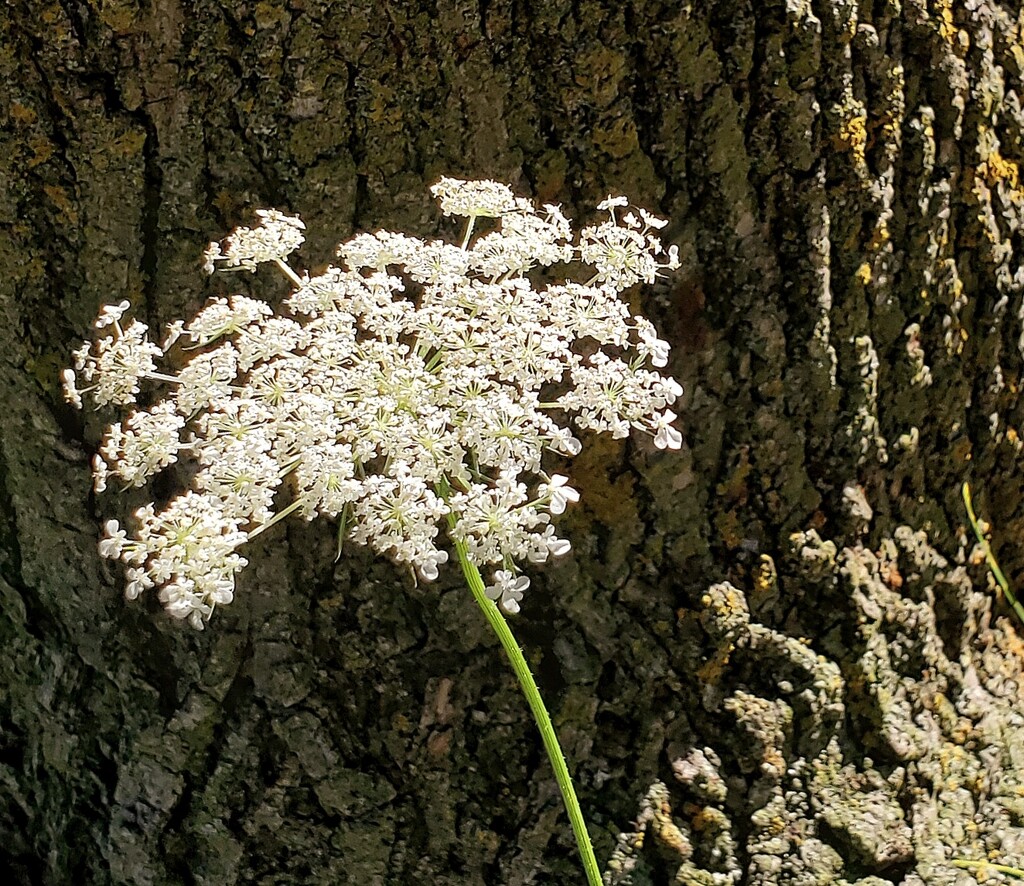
778,635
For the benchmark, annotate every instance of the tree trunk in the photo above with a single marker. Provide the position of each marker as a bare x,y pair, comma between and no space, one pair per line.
778,635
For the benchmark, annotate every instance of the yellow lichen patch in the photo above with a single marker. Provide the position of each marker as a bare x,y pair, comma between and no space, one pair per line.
667,832
767,577
113,153
731,602
956,37
610,494
734,487
999,168
271,15
890,121
863,273
880,236
618,138
773,761
383,105
729,529
996,169
946,26
853,136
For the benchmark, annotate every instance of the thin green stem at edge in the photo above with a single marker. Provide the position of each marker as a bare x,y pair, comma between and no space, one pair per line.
536,703
989,556
983,865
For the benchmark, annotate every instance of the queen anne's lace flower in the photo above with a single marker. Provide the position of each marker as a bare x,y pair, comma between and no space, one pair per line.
421,385
148,443
274,239
472,199
508,589
113,366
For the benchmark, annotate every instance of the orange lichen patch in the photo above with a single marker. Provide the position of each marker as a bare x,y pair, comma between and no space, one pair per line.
1009,641
42,150
729,529
703,819
711,672
22,114
891,576
62,200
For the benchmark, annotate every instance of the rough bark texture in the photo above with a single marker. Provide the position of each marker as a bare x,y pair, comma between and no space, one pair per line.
841,706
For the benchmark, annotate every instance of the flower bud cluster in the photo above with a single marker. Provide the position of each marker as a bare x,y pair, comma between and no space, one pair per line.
418,385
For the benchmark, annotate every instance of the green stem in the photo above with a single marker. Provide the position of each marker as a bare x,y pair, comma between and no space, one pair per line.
469,230
989,556
295,278
277,518
984,865
533,699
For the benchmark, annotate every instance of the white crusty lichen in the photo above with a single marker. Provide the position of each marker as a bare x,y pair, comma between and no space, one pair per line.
922,374
891,745
865,426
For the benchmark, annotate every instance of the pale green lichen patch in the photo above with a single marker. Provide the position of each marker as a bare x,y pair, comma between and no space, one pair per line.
901,759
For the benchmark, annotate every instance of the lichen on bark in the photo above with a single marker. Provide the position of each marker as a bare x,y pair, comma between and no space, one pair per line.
833,172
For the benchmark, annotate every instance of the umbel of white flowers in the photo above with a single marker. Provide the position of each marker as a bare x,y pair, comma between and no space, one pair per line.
420,383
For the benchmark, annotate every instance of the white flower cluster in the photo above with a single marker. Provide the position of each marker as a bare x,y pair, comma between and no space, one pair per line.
418,385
